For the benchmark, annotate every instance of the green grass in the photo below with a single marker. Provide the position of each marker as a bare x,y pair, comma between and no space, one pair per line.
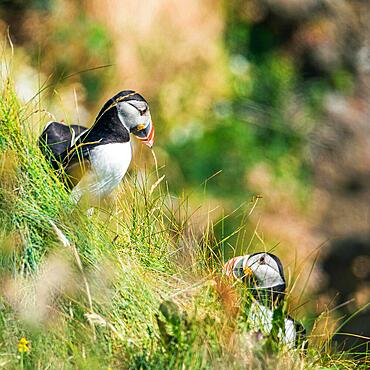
86,291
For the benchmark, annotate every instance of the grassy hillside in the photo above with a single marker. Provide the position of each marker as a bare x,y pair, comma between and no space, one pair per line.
85,292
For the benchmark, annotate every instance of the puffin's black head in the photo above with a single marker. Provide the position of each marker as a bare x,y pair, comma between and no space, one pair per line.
133,112
264,274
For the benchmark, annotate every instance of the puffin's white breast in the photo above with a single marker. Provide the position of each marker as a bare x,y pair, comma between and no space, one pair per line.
261,319
111,159
109,163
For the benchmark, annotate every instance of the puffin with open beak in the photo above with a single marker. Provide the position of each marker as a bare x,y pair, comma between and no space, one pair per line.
96,159
263,274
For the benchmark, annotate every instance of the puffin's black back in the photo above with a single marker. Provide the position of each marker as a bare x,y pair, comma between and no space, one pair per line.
56,139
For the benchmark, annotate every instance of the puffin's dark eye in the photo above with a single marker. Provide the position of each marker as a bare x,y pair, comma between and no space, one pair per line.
262,260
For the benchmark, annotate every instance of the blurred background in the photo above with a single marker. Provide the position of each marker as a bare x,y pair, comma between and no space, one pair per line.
259,104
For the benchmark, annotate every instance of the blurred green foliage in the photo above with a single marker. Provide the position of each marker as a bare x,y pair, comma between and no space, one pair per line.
253,125
63,42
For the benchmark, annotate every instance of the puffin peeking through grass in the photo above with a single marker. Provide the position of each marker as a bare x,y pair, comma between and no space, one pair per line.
263,274
96,159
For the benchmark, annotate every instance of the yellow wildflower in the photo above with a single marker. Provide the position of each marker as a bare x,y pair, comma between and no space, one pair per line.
23,345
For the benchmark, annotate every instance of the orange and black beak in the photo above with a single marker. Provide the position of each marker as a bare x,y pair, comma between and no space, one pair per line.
234,267
145,133
237,268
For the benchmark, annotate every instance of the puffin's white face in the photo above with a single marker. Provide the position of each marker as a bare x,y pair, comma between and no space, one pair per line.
135,116
267,271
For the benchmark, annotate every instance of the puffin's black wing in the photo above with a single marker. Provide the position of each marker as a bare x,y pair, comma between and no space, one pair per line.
301,335
76,158
56,139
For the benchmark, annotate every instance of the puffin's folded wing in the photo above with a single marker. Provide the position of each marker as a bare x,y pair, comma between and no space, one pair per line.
56,139
76,159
